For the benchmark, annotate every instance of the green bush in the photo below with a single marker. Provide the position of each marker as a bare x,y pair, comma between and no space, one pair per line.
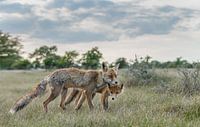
21,64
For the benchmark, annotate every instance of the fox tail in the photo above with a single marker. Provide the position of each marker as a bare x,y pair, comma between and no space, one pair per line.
26,99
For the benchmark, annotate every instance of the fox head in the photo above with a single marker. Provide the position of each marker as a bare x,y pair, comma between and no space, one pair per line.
110,74
115,90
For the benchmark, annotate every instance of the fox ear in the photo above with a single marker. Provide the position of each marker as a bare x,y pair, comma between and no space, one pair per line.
104,67
122,85
117,66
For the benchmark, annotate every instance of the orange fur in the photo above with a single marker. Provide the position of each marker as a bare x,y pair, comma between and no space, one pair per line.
106,91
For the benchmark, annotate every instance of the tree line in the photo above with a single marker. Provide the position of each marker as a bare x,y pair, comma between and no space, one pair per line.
46,57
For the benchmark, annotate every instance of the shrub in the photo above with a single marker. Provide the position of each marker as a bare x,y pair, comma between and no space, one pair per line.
192,112
21,64
141,73
189,83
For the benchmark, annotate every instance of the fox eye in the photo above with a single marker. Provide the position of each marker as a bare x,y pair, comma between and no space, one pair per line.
117,92
110,75
111,92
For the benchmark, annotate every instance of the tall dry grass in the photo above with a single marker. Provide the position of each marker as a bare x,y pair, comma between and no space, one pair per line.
137,106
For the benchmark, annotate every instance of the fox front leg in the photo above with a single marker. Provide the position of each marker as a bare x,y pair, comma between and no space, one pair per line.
89,99
104,102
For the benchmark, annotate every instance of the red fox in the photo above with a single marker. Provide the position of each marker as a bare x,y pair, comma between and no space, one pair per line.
105,92
62,79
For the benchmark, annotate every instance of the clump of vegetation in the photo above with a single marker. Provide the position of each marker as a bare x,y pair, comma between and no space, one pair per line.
174,109
192,112
189,83
140,72
184,81
22,64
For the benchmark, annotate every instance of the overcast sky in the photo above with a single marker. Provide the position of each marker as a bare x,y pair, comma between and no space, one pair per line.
163,29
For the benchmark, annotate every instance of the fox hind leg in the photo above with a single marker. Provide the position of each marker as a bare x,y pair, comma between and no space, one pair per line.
63,97
72,96
89,99
54,93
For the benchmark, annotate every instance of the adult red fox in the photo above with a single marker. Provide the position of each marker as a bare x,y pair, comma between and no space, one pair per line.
62,79
79,97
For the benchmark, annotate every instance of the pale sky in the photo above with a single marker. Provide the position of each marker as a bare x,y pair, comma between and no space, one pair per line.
163,29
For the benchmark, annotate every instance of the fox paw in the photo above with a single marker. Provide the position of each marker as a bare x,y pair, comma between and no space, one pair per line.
62,107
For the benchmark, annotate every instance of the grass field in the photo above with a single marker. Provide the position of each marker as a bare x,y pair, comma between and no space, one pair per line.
136,106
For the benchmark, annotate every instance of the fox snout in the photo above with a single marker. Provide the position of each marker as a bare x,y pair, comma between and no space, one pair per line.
114,82
113,96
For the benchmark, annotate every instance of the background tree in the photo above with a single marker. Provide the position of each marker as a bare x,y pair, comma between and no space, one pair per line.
22,64
143,62
122,62
68,60
155,64
45,56
91,59
42,53
36,63
147,59
178,63
9,50
51,61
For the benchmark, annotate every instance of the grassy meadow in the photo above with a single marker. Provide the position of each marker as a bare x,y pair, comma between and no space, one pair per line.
137,106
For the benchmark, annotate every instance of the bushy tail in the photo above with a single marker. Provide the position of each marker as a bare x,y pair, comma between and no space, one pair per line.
25,100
